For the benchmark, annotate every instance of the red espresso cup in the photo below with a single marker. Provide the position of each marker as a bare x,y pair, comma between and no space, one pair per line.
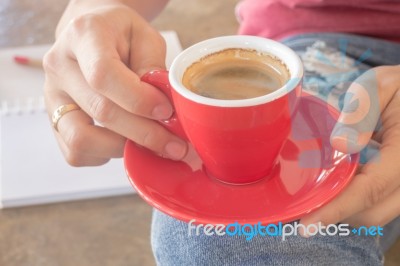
238,141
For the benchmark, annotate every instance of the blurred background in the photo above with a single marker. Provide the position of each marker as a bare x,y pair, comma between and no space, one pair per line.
105,231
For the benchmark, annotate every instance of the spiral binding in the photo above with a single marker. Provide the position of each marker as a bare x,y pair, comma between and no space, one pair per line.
22,106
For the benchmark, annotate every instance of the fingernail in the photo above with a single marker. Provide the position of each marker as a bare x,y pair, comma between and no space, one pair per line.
176,150
162,111
311,229
346,139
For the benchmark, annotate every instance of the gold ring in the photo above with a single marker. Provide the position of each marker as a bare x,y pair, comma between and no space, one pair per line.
62,110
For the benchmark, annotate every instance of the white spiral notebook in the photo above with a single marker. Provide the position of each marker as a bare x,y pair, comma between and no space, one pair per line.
32,169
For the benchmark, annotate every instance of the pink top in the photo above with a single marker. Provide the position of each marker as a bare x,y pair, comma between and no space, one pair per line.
276,19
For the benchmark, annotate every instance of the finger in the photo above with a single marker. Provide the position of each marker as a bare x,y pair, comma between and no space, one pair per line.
377,179
103,67
380,214
377,136
145,57
364,101
370,151
77,159
81,139
143,131
365,190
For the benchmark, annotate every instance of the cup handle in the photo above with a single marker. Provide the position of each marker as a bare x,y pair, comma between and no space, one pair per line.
159,79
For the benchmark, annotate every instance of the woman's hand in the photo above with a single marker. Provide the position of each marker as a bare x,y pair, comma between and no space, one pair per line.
100,54
371,116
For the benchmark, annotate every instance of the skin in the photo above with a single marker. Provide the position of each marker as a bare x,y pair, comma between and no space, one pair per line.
373,196
104,81
102,49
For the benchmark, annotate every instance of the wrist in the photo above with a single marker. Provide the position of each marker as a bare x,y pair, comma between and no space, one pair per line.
148,9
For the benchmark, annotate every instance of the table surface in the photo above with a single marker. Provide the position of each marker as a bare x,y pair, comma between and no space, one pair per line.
109,231
26,22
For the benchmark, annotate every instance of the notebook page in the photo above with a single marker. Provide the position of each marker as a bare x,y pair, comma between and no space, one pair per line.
32,168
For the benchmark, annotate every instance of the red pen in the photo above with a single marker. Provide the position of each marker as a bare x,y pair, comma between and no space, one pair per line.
27,61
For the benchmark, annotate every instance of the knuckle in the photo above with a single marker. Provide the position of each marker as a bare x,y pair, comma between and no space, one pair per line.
75,141
83,27
160,40
102,110
50,61
152,138
154,35
96,73
80,24
74,159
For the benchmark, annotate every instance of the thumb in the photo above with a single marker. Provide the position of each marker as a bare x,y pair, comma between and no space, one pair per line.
148,52
359,116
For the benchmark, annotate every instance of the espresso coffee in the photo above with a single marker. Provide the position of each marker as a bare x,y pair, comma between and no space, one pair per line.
235,74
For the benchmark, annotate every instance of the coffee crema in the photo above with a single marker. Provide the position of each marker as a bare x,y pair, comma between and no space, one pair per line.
235,73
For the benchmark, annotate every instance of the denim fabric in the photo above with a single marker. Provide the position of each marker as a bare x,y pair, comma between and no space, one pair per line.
173,246
382,52
345,56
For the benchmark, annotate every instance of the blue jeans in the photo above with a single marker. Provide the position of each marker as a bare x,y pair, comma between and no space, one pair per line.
172,244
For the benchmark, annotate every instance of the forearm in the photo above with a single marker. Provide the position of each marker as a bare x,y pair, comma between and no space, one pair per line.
148,9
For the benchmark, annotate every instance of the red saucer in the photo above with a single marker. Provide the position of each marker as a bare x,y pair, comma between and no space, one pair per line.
309,174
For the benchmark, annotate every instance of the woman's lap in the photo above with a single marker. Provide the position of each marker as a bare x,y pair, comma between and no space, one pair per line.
171,242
